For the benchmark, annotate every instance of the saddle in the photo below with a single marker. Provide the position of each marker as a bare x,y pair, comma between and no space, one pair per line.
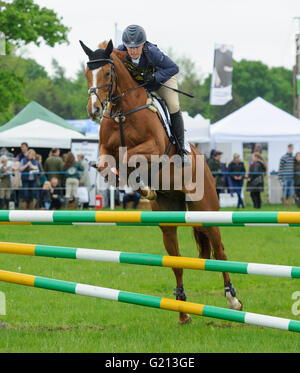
159,106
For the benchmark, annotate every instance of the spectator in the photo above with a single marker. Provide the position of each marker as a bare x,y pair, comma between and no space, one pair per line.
211,154
5,182
42,177
130,195
72,175
56,194
54,165
286,176
255,183
237,171
214,164
297,178
30,169
256,149
85,177
46,196
16,183
24,150
4,151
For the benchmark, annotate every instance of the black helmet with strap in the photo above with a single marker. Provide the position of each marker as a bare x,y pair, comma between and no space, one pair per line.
134,36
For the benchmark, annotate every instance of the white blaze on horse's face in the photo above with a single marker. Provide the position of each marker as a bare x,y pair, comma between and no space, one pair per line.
95,104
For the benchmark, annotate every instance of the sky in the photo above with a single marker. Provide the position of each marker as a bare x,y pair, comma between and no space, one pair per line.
261,30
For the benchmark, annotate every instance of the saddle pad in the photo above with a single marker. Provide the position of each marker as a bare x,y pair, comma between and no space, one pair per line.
167,122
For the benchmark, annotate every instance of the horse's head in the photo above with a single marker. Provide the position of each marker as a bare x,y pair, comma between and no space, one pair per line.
100,77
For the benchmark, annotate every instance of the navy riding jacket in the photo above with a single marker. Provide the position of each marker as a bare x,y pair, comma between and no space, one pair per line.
165,67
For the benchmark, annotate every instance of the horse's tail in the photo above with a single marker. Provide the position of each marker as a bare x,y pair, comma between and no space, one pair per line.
203,243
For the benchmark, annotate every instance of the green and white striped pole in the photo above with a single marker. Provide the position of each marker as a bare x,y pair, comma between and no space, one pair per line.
150,301
150,259
201,218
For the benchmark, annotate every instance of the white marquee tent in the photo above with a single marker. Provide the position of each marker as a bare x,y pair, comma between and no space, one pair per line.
40,128
258,121
197,128
197,131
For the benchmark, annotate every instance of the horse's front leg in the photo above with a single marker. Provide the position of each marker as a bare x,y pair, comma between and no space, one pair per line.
142,155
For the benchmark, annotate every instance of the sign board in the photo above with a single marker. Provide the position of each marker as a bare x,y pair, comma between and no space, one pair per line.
90,149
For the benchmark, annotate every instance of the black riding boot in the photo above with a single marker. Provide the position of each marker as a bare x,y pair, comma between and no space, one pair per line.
177,127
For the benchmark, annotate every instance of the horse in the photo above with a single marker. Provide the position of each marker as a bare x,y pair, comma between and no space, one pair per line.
121,103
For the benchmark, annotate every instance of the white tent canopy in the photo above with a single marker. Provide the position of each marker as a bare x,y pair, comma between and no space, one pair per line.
197,128
39,134
258,121
40,128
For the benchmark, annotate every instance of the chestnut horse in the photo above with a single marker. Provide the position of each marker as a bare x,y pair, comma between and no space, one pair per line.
116,97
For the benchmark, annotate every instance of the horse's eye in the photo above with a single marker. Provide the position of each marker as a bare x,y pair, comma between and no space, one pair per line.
107,74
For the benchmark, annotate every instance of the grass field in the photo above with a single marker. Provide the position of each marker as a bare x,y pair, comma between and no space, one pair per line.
39,320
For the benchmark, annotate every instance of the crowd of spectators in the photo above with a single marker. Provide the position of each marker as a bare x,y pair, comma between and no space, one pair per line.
28,183
230,178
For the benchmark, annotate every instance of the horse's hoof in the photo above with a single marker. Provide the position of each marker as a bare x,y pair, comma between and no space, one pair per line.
148,193
186,320
240,306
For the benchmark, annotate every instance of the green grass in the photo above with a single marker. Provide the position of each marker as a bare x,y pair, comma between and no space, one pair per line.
46,321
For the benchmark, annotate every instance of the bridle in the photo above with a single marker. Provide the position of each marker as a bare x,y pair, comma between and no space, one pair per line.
114,99
113,77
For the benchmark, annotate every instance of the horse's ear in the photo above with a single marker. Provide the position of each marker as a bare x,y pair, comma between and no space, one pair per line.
109,48
86,49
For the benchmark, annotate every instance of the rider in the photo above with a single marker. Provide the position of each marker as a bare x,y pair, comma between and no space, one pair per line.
147,63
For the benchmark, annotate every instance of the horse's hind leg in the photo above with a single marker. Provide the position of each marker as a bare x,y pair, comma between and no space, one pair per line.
171,245
208,238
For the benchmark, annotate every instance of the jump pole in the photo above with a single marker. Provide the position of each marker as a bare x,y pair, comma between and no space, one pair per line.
149,259
150,301
151,224
150,217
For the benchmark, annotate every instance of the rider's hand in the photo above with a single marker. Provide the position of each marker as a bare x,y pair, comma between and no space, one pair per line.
149,78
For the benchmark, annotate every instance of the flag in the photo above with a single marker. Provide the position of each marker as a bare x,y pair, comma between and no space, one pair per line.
221,82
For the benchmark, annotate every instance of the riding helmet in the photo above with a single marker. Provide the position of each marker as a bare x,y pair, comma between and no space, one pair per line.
134,36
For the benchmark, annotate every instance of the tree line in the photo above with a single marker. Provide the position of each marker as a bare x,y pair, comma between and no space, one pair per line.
23,79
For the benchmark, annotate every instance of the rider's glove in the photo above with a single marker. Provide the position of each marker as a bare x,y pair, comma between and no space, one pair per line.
149,78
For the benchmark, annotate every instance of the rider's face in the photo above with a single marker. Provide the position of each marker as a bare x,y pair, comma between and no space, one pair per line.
135,52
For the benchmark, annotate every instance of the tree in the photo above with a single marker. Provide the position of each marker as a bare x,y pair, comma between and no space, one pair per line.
24,22
253,78
11,91
189,80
